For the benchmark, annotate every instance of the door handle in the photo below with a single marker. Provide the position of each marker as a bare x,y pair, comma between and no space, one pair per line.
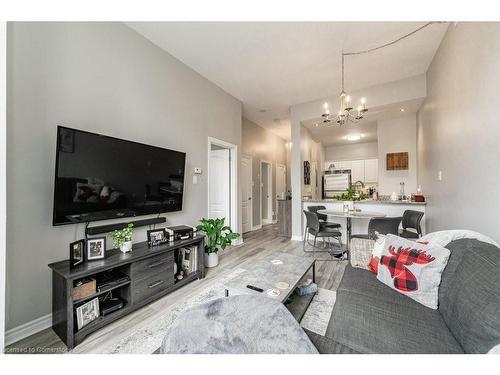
250,198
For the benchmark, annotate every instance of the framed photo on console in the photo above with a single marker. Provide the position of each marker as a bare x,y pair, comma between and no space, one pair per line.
157,236
96,248
76,253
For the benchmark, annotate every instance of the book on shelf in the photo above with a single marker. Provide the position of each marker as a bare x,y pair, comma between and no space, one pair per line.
189,259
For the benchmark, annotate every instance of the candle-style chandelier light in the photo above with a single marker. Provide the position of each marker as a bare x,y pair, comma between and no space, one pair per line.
346,112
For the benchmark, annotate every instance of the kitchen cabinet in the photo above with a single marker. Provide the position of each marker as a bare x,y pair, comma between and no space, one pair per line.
361,170
358,171
371,170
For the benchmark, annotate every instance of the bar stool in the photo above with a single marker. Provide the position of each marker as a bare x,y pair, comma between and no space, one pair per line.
411,219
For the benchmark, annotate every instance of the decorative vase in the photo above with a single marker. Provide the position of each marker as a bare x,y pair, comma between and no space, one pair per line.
211,260
126,247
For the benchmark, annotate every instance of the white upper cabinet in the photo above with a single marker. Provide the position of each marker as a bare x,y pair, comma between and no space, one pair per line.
346,164
361,170
371,170
357,170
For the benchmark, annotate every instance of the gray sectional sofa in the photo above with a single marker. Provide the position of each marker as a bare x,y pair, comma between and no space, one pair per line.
369,317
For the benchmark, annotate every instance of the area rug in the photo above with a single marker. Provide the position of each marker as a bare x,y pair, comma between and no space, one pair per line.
147,339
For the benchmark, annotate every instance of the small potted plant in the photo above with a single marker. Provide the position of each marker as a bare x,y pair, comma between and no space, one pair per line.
123,238
218,236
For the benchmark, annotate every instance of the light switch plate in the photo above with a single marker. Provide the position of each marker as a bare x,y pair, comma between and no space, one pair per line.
440,176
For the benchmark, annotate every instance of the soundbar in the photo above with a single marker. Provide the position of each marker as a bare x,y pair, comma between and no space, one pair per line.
112,227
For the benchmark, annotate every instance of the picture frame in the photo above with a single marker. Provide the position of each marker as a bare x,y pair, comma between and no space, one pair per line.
96,248
157,236
87,313
76,253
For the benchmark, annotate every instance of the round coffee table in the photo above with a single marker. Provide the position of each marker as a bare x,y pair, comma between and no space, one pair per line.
349,216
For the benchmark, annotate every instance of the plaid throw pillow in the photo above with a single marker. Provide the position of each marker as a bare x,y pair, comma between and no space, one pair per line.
413,269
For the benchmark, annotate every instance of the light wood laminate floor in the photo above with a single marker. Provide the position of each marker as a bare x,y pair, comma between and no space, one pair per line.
256,244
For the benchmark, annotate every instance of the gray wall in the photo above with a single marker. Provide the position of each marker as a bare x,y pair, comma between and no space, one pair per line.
261,144
355,151
105,78
397,135
314,153
459,131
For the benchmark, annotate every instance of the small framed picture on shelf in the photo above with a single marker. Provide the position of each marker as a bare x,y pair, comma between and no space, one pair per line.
96,248
157,237
87,313
76,253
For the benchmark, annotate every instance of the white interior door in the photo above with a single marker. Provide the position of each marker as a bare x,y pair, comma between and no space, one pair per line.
280,182
246,194
218,185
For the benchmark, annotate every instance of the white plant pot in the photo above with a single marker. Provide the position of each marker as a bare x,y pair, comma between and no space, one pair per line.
126,247
211,260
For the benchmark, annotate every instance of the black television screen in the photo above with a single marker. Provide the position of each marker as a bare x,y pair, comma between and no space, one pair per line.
99,177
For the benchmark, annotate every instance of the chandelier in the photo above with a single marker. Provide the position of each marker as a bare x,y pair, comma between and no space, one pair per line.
345,113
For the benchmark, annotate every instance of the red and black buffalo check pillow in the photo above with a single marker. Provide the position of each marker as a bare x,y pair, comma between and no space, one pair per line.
413,268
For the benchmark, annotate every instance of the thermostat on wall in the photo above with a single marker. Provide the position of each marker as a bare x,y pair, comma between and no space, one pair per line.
197,171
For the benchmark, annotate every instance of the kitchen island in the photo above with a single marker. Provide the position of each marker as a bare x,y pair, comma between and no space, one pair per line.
360,226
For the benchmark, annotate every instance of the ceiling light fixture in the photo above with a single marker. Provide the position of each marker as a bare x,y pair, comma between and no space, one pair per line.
345,113
353,137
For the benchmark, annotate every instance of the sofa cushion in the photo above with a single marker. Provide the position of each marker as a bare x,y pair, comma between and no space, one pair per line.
368,324
470,294
364,282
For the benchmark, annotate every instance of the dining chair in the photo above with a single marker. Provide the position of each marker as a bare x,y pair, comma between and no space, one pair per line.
382,225
411,220
314,227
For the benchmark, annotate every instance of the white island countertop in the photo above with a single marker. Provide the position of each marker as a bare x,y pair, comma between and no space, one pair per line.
366,201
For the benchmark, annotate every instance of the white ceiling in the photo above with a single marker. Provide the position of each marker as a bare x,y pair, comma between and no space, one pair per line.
273,65
332,135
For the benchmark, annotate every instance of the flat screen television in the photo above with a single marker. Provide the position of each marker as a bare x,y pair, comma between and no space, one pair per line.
99,177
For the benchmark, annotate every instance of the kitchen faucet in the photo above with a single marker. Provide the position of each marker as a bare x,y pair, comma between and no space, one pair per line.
360,182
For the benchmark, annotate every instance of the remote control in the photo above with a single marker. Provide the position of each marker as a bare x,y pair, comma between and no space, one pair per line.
255,288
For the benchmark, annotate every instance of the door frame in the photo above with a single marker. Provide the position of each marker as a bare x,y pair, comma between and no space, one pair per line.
251,192
278,165
233,181
271,195
3,188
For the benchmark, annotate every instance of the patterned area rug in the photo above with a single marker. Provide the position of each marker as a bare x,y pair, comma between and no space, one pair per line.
147,339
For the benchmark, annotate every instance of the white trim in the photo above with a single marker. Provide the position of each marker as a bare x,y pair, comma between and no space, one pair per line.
3,169
233,156
257,227
251,190
270,187
238,241
296,238
27,329
267,221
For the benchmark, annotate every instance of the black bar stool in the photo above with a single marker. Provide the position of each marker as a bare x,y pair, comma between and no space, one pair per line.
382,225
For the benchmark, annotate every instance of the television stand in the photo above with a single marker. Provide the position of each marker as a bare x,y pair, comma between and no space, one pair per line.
151,276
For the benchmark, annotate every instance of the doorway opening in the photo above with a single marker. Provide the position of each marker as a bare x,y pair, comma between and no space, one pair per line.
246,194
222,181
266,192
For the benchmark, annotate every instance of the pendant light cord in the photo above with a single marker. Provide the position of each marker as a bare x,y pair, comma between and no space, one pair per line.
384,45
389,43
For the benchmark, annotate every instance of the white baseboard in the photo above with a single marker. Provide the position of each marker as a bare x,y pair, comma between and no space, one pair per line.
267,221
238,241
296,238
257,227
27,329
